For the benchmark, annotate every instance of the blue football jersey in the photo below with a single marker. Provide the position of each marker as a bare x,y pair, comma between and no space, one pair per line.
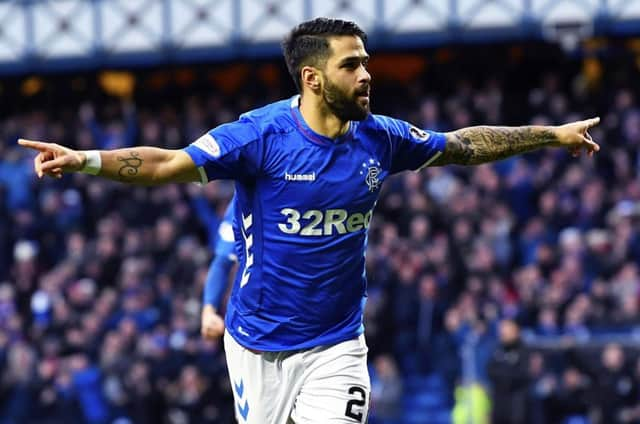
303,206
225,245
216,282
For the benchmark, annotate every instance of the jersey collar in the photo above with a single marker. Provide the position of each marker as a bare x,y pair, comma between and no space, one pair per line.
311,134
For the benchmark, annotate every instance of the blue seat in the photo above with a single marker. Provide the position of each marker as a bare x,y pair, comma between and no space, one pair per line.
416,417
425,400
432,381
427,417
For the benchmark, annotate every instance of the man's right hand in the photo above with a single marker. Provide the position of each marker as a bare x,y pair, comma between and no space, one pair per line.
212,323
54,159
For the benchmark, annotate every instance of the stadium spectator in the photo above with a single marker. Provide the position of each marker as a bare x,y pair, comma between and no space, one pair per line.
612,382
386,391
508,371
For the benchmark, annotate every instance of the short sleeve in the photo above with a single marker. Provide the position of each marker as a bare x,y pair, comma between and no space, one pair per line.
225,245
230,151
412,148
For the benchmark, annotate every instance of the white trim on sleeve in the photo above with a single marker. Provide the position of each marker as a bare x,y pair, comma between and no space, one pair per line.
430,161
203,175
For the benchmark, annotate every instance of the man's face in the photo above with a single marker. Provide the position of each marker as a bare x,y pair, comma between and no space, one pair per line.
346,82
509,332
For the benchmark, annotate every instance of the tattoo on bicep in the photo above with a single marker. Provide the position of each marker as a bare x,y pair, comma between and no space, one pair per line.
130,165
476,145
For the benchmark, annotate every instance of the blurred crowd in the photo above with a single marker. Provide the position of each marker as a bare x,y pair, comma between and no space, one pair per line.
100,283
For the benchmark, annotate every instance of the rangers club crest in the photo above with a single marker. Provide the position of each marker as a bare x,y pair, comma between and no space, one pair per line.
372,177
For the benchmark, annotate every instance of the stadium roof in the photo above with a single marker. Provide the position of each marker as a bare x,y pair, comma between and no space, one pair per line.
49,35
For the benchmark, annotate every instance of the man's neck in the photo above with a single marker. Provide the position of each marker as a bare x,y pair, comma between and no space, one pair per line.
320,119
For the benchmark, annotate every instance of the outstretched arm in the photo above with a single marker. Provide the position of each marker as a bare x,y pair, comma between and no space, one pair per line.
475,145
136,165
212,323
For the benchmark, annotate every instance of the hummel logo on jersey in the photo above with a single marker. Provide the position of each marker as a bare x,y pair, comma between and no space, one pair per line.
300,177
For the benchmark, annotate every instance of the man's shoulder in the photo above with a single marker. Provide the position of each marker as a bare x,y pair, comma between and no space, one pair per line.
376,123
273,117
375,128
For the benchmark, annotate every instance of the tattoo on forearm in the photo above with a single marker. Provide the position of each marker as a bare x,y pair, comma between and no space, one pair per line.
476,145
130,165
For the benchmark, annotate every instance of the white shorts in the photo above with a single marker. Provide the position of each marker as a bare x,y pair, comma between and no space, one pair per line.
325,384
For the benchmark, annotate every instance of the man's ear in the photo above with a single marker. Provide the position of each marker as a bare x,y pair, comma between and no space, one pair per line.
310,78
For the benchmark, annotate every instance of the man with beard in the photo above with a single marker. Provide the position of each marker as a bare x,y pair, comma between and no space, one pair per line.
308,172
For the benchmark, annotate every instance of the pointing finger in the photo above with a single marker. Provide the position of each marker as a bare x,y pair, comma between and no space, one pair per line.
589,123
37,145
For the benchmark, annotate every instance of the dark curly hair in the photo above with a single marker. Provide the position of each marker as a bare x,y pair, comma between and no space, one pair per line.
307,44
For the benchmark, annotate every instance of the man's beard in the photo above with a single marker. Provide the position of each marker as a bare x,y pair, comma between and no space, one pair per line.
344,107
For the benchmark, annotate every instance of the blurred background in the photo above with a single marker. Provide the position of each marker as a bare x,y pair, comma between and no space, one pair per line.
502,293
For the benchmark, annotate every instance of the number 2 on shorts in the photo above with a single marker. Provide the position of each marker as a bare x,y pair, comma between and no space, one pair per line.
361,402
